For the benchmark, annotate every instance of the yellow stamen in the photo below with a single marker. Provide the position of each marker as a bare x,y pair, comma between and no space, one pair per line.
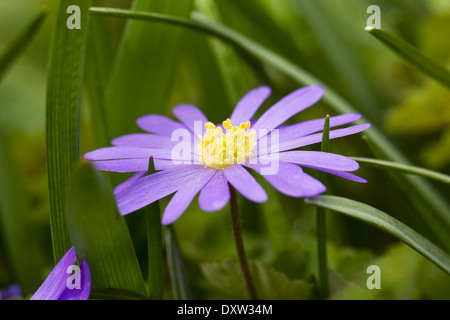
219,149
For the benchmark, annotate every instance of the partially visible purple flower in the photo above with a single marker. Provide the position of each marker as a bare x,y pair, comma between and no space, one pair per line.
59,285
225,151
14,291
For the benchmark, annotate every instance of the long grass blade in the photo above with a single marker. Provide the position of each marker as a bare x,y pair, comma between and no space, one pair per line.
410,54
62,116
403,168
386,223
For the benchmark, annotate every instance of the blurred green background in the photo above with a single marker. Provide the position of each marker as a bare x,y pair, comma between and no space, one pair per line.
171,66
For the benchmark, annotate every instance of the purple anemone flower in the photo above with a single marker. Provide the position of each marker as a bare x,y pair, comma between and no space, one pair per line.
61,284
14,291
195,156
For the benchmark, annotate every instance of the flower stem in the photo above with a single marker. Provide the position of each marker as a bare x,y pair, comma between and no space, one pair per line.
240,244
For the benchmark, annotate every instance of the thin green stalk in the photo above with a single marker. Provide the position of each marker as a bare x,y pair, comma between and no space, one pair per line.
321,226
240,244
155,247
19,44
403,168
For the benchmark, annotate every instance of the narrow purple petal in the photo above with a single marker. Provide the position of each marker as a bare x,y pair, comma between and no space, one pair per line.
320,159
342,174
159,124
249,104
215,194
131,165
289,106
317,137
156,186
56,281
129,181
184,196
188,115
271,144
244,183
112,153
85,285
292,181
144,140
305,128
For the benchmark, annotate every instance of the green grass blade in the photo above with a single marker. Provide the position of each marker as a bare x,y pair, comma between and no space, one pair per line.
430,205
386,223
100,234
321,226
62,117
155,247
412,55
14,50
180,283
403,168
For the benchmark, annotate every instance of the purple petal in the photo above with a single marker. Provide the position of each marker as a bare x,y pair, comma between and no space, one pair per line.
305,128
289,106
184,196
129,181
56,281
292,181
85,285
144,140
315,138
131,165
14,291
272,144
320,159
159,124
188,115
342,174
249,104
156,186
113,153
215,194
244,183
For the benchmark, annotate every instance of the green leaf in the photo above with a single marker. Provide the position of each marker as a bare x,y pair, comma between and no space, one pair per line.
430,205
270,284
403,168
62,117
412,55
178,276
15,49
100,234
386,223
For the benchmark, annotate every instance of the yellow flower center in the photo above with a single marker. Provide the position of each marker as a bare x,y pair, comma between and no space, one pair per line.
219,149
